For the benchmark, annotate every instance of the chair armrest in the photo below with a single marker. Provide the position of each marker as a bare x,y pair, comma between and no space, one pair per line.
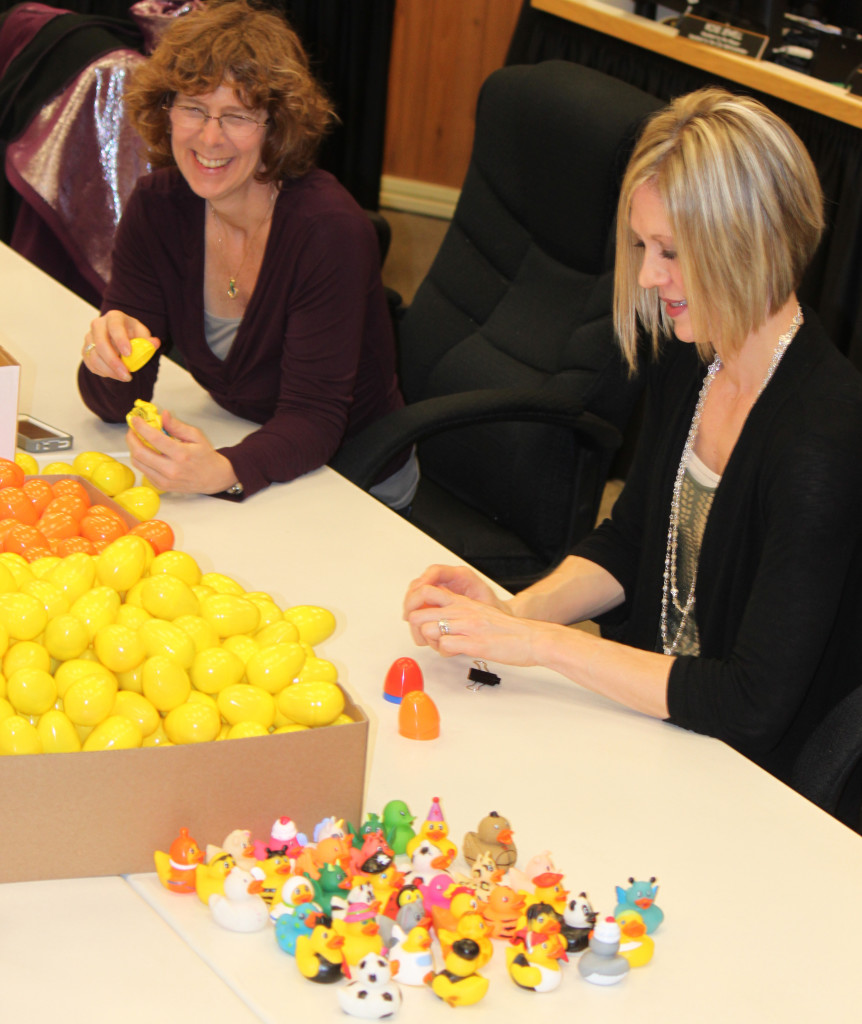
363,457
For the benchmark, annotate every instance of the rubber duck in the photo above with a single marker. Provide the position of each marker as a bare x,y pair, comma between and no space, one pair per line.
535,964
502,911
493,837
277,869
458,984
484,875
319,956
436,831
373,844
360,932
210,877
373,994
410,956
436,893
239,845
240,908
371,824
289,926
329,885
386,885
548,888
398,826
578,921
470,926
538,918
427,860
284,839
411,908
328,828
360,892
176,870
635,945
296,891
602,964
640,896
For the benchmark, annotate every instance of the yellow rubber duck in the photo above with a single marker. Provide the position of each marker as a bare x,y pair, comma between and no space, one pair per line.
209,878
360,932
535,964
470,926
435,830
458,984
635,945
319,956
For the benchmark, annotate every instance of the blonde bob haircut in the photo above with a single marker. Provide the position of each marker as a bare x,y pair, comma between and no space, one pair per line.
255,52
745,206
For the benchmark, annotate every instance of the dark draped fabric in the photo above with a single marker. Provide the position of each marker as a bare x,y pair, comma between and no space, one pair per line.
833,284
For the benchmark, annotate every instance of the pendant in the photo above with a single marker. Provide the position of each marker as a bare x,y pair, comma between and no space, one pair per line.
232,289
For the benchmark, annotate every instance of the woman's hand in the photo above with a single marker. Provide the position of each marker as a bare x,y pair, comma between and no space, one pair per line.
184,460
454,579
109,337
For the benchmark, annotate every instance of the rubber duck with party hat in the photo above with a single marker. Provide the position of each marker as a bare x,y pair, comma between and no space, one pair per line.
436,831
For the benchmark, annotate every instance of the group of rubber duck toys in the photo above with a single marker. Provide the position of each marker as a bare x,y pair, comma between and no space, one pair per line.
367,904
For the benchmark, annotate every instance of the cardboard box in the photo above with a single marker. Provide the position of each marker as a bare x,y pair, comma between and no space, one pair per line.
10,375
107,812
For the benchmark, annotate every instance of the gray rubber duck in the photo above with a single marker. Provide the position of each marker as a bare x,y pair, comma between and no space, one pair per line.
602,964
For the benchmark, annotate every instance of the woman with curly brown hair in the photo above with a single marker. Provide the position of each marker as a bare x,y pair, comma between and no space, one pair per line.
254,268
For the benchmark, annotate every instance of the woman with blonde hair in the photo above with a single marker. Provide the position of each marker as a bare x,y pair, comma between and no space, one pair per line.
729,571
255,269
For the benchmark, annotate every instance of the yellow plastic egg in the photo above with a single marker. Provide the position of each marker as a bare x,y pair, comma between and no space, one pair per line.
166,684
179,564
274,667
90,700
142,352
133,595
137,709
54,601
289,727
269,610
201,591
114,733
243,646
25,654
57,734
244,703
31,691
142,501
246,730
312,704
96,608
198,697
74,574
118,648
192,723
317,670
216,668
168,597
41,567
222,584
27,463
314,624
202,633
122,563
343,719
6,709
18,736
281,632
166,639
81,668
159,738
22,616
133,680
112,477
9,577
58,469
66,637
229,614
85,462
129,615
4,640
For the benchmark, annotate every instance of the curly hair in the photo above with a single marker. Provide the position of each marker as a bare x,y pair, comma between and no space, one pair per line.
256,52
745,206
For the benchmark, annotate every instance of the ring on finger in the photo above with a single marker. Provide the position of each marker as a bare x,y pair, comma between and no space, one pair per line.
444,627
89,348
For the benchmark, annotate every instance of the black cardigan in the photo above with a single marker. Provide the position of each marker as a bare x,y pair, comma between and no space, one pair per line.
779,587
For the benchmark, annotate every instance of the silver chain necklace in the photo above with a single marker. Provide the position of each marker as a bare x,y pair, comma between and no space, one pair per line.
232,286
670,590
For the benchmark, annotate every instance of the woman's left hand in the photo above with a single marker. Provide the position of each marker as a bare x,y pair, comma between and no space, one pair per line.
183,461
475,628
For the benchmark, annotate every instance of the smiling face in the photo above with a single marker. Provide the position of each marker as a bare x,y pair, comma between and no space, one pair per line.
660,267
217,167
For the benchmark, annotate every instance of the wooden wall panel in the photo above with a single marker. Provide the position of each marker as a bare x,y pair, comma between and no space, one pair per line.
442,51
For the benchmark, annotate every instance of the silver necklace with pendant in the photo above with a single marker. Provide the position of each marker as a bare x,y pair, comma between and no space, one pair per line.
232,286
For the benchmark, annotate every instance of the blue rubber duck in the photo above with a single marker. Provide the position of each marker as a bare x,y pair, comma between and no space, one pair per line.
289,926
640,896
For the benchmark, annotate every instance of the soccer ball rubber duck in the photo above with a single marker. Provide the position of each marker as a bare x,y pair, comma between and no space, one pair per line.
373,994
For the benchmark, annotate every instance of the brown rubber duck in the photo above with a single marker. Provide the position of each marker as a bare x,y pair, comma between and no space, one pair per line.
493,837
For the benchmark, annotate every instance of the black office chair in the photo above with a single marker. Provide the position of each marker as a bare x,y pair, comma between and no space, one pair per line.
828,768
516,392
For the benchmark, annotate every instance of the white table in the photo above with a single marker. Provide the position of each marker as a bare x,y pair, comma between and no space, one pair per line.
761,890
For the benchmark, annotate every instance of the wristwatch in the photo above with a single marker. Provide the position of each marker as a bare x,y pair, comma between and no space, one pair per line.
235,489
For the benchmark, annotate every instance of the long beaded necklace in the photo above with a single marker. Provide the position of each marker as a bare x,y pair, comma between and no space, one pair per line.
670,590
232,287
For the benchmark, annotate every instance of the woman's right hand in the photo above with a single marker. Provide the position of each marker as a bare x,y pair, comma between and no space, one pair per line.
108,338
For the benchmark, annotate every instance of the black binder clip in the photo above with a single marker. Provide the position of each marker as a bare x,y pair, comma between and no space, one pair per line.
481,676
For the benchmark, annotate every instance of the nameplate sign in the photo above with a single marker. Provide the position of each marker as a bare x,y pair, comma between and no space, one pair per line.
724,37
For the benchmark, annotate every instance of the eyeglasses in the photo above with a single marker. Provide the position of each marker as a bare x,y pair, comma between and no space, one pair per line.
193,119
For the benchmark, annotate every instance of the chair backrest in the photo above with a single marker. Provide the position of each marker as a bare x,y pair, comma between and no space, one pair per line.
520,292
